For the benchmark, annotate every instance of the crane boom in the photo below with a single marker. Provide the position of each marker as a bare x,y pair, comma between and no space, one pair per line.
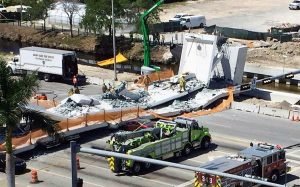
145,30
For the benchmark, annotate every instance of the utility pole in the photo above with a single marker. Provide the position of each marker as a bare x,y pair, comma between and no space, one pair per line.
21,12
73,163
114,41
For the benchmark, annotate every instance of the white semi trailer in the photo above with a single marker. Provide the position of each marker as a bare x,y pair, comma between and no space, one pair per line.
50,64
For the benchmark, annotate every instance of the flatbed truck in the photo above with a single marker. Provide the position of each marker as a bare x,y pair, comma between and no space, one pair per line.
166,140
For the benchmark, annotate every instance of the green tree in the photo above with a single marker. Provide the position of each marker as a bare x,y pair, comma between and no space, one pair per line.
98,13
70,7
39,10
14,96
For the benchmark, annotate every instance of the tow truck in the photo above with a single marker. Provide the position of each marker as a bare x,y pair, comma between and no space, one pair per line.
167,139
262,161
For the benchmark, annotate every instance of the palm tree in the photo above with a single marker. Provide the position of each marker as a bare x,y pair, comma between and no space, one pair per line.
15,93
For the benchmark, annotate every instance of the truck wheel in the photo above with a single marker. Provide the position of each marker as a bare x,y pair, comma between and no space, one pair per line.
275,176
201,25
47,77
205,143
187,150
136,167
147,165
10,71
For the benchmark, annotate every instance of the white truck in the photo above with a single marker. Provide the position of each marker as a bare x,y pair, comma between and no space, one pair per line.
192,21
178,16
50,64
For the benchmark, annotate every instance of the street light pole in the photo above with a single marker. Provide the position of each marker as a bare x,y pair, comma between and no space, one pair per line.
114,41
284,58
21,12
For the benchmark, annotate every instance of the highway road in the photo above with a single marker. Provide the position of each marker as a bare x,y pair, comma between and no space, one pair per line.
61,89
253,127
231,130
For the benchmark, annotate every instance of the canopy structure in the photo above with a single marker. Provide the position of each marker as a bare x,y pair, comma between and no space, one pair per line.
119,59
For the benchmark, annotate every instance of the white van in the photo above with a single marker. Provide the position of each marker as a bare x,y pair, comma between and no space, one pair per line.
2,8
193,21
178,16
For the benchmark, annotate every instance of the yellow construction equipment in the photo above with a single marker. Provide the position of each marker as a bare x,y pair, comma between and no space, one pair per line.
119,59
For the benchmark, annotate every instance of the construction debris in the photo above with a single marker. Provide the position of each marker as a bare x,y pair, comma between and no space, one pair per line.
196,78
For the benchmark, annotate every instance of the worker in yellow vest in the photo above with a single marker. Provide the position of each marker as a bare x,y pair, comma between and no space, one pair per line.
147,82
70,92
182,83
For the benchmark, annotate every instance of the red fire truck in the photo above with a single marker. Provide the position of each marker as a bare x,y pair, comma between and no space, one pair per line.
261,161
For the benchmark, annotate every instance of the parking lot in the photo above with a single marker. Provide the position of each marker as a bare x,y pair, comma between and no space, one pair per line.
255,15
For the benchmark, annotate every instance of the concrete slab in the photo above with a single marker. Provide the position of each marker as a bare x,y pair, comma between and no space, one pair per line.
197,56
245,107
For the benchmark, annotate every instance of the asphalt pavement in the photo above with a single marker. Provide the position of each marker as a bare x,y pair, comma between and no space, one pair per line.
59,90
253,127
231,131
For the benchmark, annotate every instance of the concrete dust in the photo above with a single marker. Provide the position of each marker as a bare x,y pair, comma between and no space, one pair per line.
103,73
218,9
278,55
159,54
280,105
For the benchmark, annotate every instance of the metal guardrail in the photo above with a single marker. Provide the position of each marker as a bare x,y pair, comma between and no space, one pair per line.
252,85
76,148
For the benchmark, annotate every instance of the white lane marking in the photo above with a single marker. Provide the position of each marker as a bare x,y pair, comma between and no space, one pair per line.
186,183
293,152
293,155
193,160
294,169
236,140
137,176
151,180
211,158
293,161
226,153
63,176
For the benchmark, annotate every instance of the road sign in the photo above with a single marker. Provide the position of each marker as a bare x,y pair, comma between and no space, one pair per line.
245,86
267,81
289,75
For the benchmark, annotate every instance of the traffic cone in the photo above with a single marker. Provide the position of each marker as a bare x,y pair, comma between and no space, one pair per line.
78,163
34,176
296,117
292,117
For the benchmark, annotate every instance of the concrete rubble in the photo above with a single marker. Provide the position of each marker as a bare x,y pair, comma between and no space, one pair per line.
159,93
199,101
76,105
204,49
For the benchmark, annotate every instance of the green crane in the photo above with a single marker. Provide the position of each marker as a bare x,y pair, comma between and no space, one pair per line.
145,30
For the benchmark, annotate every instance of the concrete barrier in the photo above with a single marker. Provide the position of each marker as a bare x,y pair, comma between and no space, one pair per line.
275,112
245,107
